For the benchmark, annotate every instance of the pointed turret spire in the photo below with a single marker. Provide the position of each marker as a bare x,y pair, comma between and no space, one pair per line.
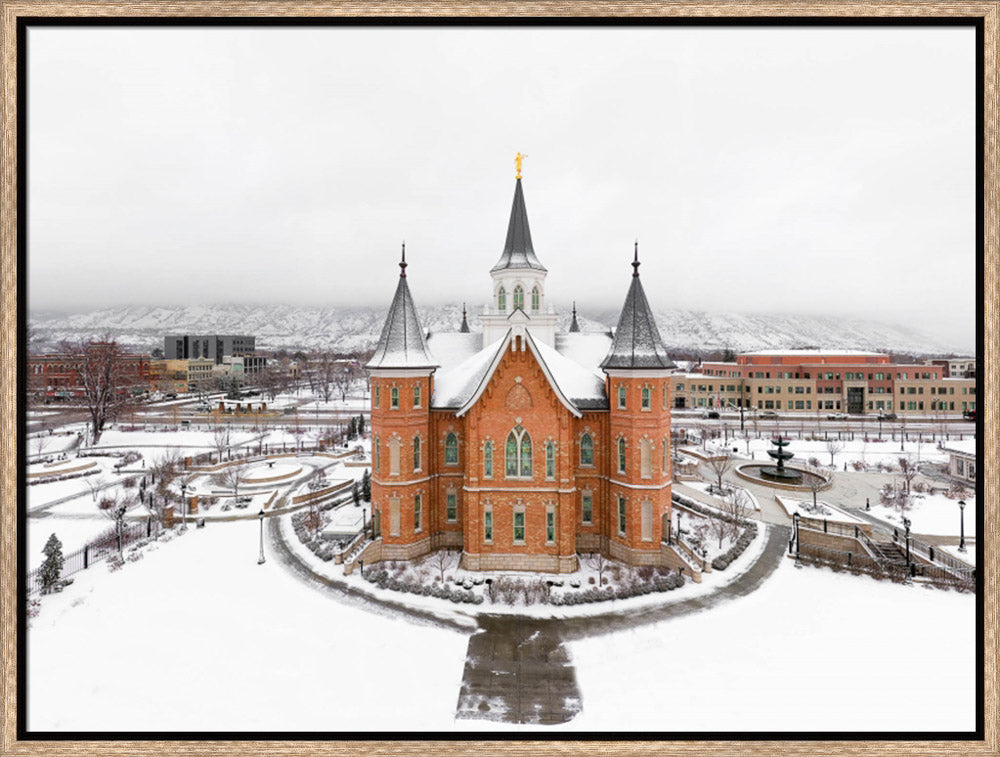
637,342
518,251
464,329
402,344
574,326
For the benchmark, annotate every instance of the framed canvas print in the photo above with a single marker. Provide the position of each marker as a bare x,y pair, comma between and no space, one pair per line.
454,378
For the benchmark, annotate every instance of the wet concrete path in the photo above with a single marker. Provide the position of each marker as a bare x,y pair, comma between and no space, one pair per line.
519,669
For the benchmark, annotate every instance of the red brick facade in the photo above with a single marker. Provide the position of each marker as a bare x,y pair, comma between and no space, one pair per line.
537,510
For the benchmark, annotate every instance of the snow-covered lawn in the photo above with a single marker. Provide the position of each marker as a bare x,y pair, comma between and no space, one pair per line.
197,636
871,452
933,514
822,510
74,533
809,650
968,556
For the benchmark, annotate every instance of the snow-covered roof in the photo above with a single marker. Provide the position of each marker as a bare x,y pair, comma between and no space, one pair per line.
637,342
401,344
582,386
963,447
458,386
450,348
588,348
454,385
517,250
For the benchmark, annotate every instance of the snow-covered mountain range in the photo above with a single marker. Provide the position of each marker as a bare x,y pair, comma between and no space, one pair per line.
347,329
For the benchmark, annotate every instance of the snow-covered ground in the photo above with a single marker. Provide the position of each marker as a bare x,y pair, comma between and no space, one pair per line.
871,452
197,636
933,514
809,650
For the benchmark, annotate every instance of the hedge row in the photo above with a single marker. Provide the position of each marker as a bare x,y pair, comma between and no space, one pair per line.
749,531
383,580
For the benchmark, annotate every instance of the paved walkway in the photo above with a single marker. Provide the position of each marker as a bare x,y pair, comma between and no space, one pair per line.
517,668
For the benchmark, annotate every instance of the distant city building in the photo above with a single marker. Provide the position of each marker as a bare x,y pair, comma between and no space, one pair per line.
956,367
214,346
962,459
181,376
819,381
56,375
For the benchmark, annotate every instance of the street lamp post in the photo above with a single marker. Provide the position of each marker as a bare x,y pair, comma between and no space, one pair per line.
961,510
906,524
260,560
679,514
184,510
795,519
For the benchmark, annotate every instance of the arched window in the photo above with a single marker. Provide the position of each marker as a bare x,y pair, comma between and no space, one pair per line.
586,450
451,449
666,459
550,460
488,459
645,398
646,458
518,297
621,455
416,454
536,299
375,455
502,299
518,453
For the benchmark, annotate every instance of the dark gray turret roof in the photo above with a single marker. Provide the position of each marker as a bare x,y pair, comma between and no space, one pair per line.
637,342
401,344
517,251
574,326
464,328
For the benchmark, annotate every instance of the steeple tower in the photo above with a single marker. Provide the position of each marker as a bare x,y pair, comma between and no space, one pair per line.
518,281
574,326
637,342
402,344
464,328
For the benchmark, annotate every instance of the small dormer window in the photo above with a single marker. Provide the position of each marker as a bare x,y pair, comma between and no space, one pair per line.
536,299
502,299
518,297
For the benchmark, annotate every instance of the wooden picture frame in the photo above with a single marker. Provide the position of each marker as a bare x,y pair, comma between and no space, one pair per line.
14,12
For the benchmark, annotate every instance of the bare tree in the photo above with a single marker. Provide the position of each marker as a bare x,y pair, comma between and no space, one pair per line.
114,506
40,442
102,368
324,373
737,506
816,483
720,465
220,439
95,484
313,520
909,471
442,560
233,476
597,561
833,446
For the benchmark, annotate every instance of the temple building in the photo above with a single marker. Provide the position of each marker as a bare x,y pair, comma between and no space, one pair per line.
521,445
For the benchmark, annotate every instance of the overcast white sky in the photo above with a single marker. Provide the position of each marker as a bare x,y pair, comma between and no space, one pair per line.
814,170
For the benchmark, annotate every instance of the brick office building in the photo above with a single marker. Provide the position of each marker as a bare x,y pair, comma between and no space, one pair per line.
521,445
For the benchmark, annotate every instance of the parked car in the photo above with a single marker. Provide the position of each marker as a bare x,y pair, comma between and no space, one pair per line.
969,415
836,416
887,416
768,414
710,414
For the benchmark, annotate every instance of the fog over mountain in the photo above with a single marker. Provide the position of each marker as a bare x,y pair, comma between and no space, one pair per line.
349,329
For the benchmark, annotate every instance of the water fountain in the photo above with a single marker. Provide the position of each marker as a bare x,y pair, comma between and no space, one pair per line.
779,472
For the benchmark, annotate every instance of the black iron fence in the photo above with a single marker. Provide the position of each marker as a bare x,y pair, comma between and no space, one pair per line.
104,546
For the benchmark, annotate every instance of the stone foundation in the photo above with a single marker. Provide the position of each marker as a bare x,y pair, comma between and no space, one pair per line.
536,563
629,556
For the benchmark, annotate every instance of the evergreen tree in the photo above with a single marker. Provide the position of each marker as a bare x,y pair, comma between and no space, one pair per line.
53,565
352,429
366,486
356,493
361,425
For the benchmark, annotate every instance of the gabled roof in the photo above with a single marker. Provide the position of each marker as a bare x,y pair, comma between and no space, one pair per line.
637,342
517,250
401,344
576,387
